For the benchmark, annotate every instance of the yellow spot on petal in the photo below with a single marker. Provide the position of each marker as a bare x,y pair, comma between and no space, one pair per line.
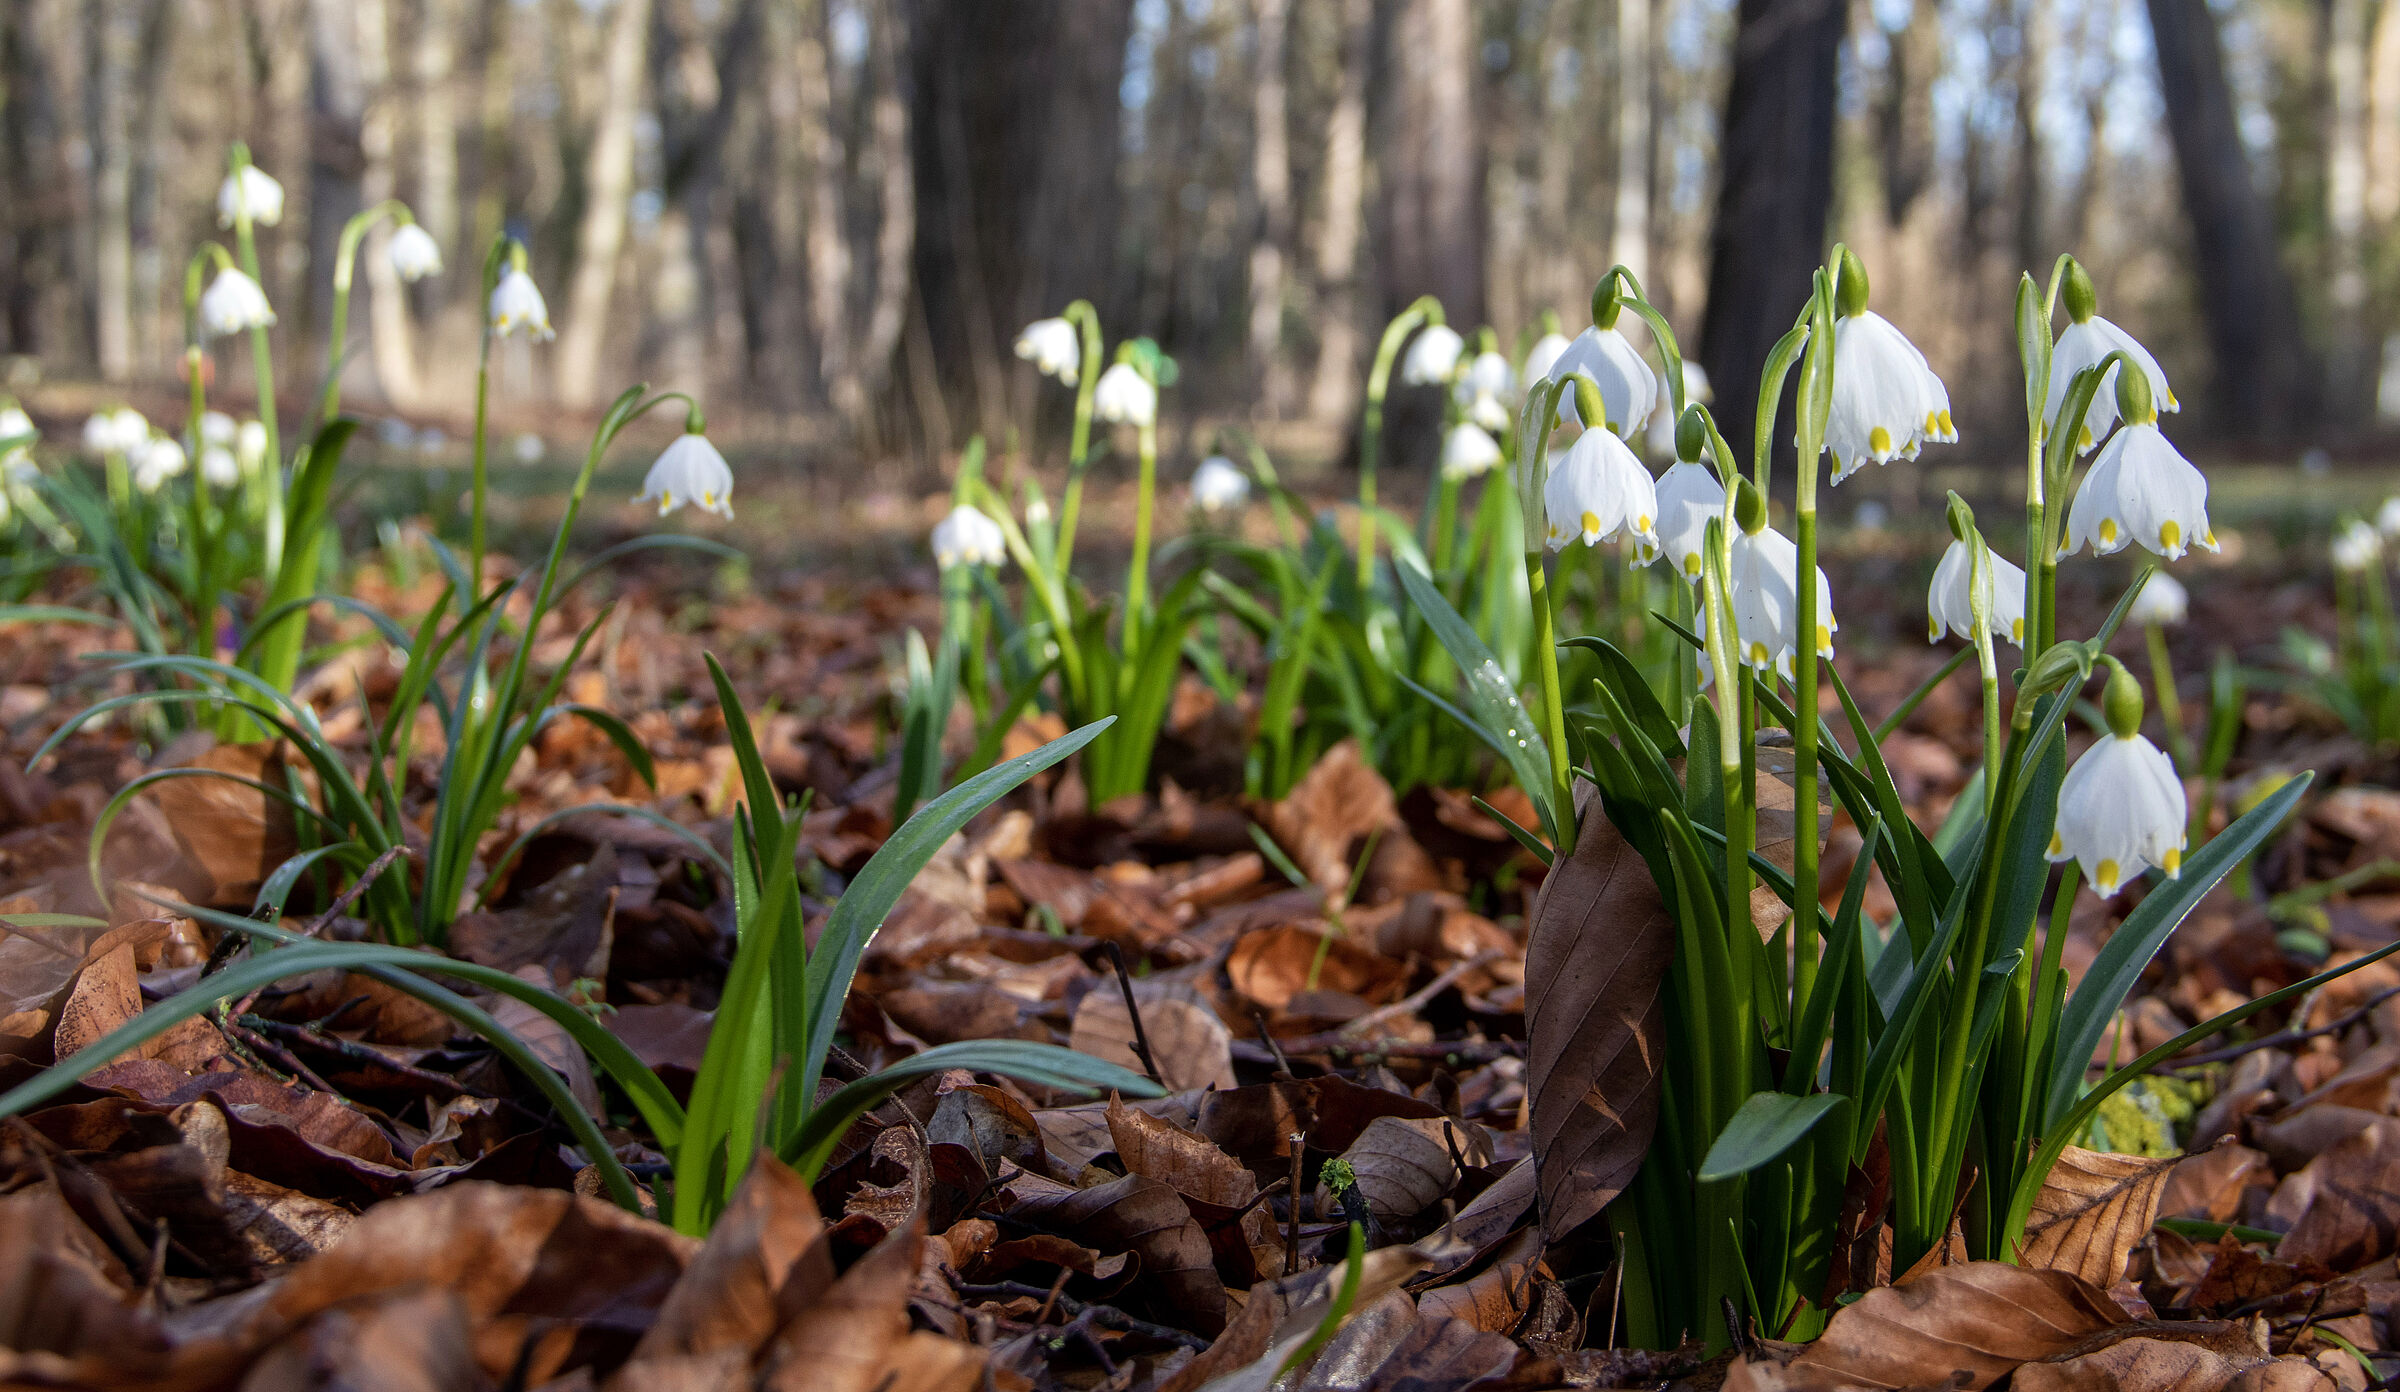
2087,437
2016,630
1691,564
1879,441
1949,427
1591,524
2173,864
1933,630
1641,524
2209,538
2057,846
1933,422
2104,878
2108,531
1758,654
1825,642
2168,535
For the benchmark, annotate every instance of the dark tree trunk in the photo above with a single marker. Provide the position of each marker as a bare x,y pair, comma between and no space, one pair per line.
1431,159
2262,364
1776,193
1013,139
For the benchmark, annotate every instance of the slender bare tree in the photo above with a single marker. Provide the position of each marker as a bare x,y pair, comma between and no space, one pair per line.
1431,162
1333,396
1629,229
2346,202
1271,181
607,192
115,49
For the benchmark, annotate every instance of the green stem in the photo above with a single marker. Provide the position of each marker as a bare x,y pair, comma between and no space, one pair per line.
262,358
1554,711
1087,320
1137,577
345,263
2170,707
1370,427
1445,525
1805,935
483,399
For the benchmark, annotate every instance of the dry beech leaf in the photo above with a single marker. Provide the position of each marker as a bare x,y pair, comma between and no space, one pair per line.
1980,1319
1595,955
1275,965
1280,1316
2352,1202
854,1335
763,1255
413,1337
1494,1298
2092,1210
2166,1365
1140,1215
1186,1162
233,833
1405,1166
275,1224
1329,812
2210,1185
1192,1046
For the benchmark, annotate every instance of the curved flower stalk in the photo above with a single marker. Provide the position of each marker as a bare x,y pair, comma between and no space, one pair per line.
2088,341
512,304
412,254
1433,359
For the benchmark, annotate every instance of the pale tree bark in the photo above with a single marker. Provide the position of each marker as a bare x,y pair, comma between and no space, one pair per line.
2383,119
1271,181
433,60
389,339
1334,394
2346,200
2245,297
1559,268
828,247
1431,161
1904,119
888,161
1629,228
337,97
607,189
114,50
2034,22
156,325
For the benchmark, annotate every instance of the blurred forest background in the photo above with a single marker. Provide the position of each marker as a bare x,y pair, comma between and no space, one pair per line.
833,215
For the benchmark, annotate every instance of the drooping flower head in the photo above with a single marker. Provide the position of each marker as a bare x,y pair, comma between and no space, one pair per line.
967,537
217,428
1763,583
1950,600
1433,358
1219,484
1125,397
232,304
1543,356
218,467
1887,402
118,431
1597,491
1054,349
1467,450
517,304
2163,603
14,423
158,459
253,191
2121,809
1688,495
250,444
412,253
689,471
2357,548
2086,340
2140,489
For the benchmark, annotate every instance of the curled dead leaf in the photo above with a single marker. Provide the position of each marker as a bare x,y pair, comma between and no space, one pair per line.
2092,1210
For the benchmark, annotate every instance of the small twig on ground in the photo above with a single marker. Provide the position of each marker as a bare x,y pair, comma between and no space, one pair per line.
1108,1315
1291,1225
341,901
1255,1200
2274,1041
1415,1000
1334,1045
1283,1066
1141,1037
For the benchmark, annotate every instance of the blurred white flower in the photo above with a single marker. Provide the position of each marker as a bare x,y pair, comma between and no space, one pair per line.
1688,495
121,431
1218,484
1628,388
217,428
250,444
2163,603
14,423
1468,450
689,471
256,189
1886,399
1662,420
2387,517
1543,355
1433,358
2141,489
1949,601
157,460
1764,581
1125,396
1488,374
1054,349
2356,547
2083,344
218,466
1597,491
232,304
2120,812
529,448
412,253
967,537
517,304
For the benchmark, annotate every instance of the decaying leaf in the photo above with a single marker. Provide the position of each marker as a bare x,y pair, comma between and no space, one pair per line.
1192,1046
1329,812
2349,1212
2169,1365
1979,1320
2092,1210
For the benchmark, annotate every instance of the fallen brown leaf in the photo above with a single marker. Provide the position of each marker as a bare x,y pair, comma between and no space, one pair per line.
1977,1321
1329,812
2092,1209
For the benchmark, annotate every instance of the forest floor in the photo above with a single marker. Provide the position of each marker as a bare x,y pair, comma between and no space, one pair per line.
334,1187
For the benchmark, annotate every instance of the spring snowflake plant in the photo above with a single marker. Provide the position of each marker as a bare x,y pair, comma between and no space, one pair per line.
1801,1046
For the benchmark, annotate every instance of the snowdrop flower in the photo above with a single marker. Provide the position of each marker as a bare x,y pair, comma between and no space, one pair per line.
218,466
233,303
1469,450
2356,548
1125,396
2141,489
689,471
2121,809
517,304
1950,604
1599,490
1218,485
158,460
250,444
1543,356
1765,588
1490,412
2387,517
1688,495
13,423
1487,374
1433,358
2163,603
1628,388
412,253
1886,400
253,191
2087,339
217,428
967,537
121,431
1054,349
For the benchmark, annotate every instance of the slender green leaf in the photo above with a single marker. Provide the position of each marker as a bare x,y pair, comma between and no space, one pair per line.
1766,1126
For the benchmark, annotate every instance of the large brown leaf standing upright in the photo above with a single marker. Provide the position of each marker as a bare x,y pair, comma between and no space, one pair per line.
1597,951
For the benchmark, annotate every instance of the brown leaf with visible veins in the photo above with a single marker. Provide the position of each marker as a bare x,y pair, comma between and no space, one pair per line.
1495,1298
1140,1215
2169,1365
2209,1185
1190,1164
1597,949
2092,1210
763,1256
1981,1320
854,1336
2351,1203
1192,1046
410,1339
1333,808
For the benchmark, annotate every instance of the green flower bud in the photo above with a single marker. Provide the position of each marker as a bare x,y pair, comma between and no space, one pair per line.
2121,702
2082,301
2134,405
1587,401
1850,290
1749,507
1486,341
1606,302
1691,435
2061,664
1961,518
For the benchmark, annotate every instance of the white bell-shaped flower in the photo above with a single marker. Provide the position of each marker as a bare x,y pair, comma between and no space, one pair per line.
2083,344
160,458
1599,490
1543,356
118,431
2121,809
233,303
13,424
967,537
1628,388
2387,517
1433,358
2141,489
217,428
1490,412
1688,495
1467,450
1487,374
1054,349
412,253
2163,603
1219,484
254,191
689,471
1950,600
1125,396
1764,583
218,466
250,444
1887,402
517,304
2356,548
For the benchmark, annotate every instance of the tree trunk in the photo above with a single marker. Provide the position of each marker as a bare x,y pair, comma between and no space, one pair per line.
1014,137
1271,180
1904,121
1334,394
2346,204
1629,230
1432,162
2245,297
888,158
389,332
435,202
115,48
2034,21
828,243
2383,116
1777,189
607,188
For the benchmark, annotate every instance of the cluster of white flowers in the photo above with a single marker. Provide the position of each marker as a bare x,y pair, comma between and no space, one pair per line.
119,431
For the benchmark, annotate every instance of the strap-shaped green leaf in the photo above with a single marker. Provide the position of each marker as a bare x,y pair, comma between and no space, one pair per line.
1766,1126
